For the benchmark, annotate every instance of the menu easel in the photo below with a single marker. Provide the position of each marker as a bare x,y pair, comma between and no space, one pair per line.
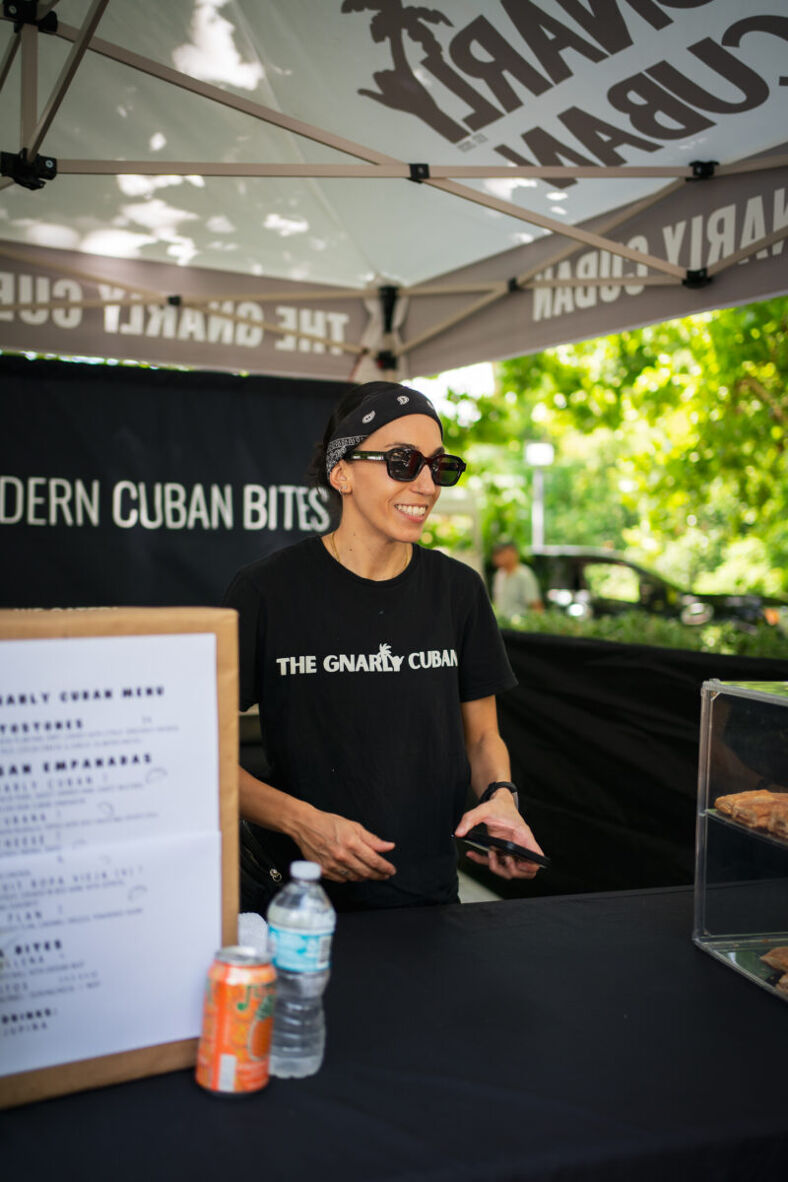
118,839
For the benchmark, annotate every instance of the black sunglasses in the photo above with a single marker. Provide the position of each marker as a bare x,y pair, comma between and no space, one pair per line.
405,463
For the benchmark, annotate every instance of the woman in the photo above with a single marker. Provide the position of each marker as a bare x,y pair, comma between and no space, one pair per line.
375,664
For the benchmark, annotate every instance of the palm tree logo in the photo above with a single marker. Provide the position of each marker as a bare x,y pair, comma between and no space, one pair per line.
399,88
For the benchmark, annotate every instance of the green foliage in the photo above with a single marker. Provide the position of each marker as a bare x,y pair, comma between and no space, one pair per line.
641,628
670,444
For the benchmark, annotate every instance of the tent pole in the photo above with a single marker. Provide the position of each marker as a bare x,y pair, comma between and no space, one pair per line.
85,305
759,165
430,289
8,59
268,297
536,219
28,36
351,171
150,296
607,225
278,330
70,67
21,256
450,321
223,97
264,325
524,280
318,135
605,281
747,251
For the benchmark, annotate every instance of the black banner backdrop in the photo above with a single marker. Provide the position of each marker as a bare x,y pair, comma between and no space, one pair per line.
604,744
132,486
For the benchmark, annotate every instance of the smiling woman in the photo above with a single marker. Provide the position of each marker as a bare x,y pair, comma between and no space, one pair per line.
375,664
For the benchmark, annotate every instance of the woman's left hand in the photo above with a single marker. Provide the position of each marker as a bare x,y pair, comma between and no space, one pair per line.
502,819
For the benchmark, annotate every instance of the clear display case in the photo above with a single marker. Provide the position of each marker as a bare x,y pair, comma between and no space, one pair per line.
741,864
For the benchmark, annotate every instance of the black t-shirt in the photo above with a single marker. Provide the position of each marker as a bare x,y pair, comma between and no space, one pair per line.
359,685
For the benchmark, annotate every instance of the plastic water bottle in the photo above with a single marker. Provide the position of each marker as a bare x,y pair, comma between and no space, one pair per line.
301,923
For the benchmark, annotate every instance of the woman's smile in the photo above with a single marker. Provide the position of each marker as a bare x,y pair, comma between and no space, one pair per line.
412,512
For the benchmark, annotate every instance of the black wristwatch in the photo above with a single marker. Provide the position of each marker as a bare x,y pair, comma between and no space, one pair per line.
493,787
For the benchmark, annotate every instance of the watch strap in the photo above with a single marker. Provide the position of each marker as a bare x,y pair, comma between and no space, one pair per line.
493,787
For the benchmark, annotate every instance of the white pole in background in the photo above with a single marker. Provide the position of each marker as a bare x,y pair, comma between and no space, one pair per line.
537,509
539,456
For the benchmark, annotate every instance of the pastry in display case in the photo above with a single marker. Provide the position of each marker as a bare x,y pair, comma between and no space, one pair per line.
741,860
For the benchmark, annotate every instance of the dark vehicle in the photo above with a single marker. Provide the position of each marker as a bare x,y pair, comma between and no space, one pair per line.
587,582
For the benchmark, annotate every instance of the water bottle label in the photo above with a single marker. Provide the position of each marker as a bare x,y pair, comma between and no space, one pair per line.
300,952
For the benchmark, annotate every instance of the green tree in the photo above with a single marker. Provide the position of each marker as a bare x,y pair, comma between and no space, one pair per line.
670,440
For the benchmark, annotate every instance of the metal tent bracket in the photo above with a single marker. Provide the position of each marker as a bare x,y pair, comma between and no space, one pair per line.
702,170
697,279
419,173
25,12
30,174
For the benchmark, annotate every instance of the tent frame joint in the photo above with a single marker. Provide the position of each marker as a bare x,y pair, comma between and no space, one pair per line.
702,170
419,173
174,301
697,279
25,12
513,285
386,359
30,174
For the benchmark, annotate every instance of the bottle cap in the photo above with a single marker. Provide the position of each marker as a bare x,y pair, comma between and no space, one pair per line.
307,871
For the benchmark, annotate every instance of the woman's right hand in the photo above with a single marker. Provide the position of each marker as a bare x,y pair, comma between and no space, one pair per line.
345,850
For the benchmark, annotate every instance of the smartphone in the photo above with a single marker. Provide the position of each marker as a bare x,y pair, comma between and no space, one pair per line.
480,839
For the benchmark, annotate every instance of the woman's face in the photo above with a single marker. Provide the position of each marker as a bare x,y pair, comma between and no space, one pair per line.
388,508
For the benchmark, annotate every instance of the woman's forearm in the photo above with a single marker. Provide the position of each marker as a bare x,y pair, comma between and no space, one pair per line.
265,805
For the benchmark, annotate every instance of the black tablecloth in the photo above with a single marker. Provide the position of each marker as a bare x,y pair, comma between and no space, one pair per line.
575,1037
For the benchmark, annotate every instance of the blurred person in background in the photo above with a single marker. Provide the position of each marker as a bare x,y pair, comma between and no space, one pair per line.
515,589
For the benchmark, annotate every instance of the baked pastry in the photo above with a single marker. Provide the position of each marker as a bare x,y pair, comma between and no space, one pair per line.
778,817
758,809
728,804
777,958
753,813
782,984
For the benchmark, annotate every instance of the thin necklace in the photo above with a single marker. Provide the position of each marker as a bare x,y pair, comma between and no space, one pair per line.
332,541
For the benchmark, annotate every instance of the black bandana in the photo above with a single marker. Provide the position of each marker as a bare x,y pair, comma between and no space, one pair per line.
384,402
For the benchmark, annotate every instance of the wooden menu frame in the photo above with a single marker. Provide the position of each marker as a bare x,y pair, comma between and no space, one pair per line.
46,1082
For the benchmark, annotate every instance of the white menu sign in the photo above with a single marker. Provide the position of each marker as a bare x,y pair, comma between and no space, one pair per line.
110,861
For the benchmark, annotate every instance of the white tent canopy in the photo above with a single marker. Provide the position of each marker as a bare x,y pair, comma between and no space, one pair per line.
290,186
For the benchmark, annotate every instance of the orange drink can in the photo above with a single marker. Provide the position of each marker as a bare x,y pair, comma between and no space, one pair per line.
232,1056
